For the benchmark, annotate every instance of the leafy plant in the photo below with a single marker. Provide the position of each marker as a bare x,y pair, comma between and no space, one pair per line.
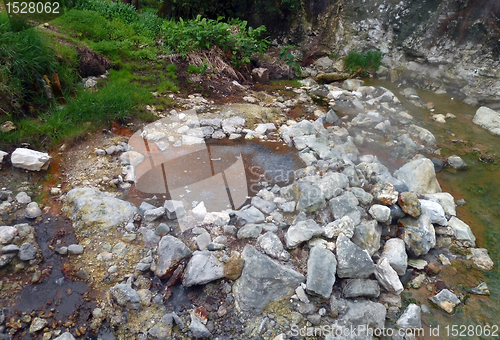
198,69
289,59
234,38
362,63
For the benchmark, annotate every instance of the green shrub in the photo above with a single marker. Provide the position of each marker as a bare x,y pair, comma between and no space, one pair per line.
198,69
362,63
233,38
289,59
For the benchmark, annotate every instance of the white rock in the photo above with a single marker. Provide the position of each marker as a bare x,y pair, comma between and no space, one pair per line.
446,200
33,210
131,157
217,218
190,140
381,213
200,211
7,234
462,231
488,119
481,259
434,211
30,159
395,252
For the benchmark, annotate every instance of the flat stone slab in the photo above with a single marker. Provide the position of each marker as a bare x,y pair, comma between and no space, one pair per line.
89,207
361,288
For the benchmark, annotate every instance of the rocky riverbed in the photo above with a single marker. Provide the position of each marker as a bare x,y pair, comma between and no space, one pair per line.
334,248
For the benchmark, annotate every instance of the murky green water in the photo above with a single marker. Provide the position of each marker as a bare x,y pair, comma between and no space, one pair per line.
479,185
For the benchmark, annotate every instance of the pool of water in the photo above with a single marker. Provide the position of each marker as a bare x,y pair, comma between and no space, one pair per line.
244,167
479,185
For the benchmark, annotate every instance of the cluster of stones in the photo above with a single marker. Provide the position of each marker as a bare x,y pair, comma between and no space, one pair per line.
21,205
364,234
18,247
342,240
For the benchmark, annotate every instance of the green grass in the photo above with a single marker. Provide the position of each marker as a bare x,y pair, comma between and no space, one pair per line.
166,86
362,63
90,111
113,37
129,40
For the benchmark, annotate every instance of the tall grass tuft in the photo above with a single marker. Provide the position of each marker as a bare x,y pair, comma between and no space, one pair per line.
88,112
362,63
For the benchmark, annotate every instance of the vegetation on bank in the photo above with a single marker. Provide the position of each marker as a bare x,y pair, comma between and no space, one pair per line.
33,60
362,63
41,91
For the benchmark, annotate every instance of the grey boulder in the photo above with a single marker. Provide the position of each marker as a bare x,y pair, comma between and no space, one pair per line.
272,246
345,204
395,252
387,277
487,119
367,236
354,288
202,268
411,317
462,231
352,261
419,176
263,280
445,300
126,296
171,252
249,216
301,232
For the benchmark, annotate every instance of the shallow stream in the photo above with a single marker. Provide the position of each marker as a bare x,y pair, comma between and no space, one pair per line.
479,186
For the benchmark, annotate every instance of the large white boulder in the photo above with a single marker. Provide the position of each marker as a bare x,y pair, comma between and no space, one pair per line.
488,119
30,159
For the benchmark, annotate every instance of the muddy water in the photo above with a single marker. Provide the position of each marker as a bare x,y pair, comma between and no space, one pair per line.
58,296
264,164
479,185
